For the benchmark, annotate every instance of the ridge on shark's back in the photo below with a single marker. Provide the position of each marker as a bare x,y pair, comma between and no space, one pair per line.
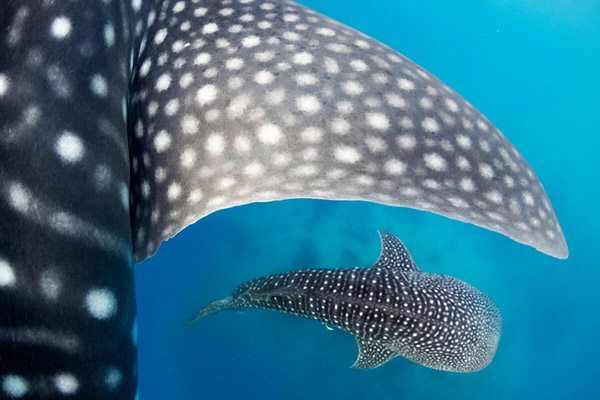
392,308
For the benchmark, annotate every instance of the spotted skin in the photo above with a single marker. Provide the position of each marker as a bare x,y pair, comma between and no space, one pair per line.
122,122
392,308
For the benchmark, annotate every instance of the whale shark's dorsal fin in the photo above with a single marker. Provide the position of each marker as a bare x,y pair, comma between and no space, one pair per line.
372,354
394,254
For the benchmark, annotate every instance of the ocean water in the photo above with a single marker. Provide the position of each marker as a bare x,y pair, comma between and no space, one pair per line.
532,68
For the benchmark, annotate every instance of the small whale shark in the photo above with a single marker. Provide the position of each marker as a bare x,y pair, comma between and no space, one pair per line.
392,308
123,122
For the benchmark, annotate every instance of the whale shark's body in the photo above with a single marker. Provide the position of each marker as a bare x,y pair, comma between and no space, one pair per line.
122,122
392,308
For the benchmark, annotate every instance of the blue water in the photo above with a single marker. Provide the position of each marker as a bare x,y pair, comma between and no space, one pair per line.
532,67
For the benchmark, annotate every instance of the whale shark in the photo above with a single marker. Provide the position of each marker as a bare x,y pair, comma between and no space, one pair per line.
392,308
123,122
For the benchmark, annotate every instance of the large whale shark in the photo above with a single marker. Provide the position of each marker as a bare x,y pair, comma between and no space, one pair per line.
392,308
122,122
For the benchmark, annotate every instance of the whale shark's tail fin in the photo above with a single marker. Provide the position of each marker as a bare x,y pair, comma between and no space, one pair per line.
213,308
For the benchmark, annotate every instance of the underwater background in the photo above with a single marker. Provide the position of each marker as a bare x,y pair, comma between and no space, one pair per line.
533,69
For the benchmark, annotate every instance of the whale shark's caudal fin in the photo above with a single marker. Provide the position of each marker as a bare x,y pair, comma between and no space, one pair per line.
216,307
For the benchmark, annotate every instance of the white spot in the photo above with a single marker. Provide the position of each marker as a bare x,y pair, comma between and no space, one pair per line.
206,94
406,142
20,198
60,28
302,58
174,191
113,378
234,64
162,141
101,303
254,169
375,144
331,66
145,68
463,141
188,158
312,134
215,144
340,126
263,77
509,181
66,383
202,59
186,80
308,104
7,275
160,36
242,144
306,79
325,32
435,162
352,88
467,185
4,84
172,107
136,5
426,103
275,97
494,196
190,125
347,154
269,134
431,184
378,121
251,41
109,34
50,285
463,163
195,196
395,101
99,86
163,82
406,84
458,202
394,167
15,386
451,104
210,28
359,65
124,194
486,171
69,147
528,199
178,7
430,125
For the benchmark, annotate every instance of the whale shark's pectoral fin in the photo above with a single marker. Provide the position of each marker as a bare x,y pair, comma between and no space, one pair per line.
259,112
394,255
372,354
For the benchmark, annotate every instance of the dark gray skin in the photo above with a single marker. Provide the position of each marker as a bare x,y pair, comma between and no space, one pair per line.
392,308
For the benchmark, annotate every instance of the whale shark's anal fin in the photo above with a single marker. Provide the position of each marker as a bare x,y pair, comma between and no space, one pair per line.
372,354
394,255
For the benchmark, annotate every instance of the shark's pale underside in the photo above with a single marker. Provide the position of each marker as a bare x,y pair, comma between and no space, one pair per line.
392,308
122,122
